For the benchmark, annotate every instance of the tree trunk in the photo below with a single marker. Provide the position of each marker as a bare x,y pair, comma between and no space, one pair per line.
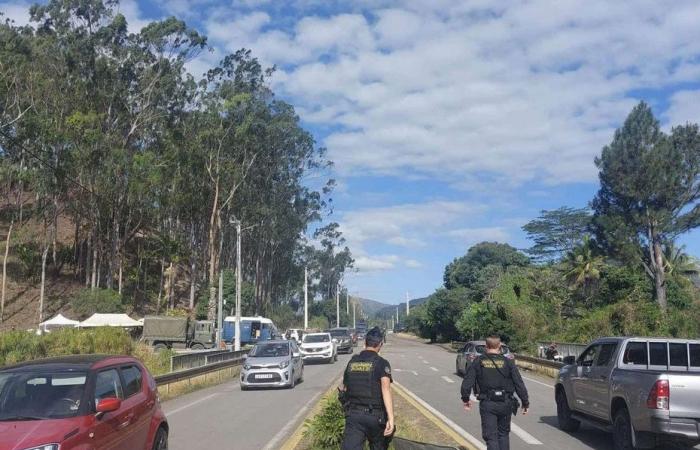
4,271
44,256
193,282
171,288
121,274
659,277
213,250
93,283
160,287
88,252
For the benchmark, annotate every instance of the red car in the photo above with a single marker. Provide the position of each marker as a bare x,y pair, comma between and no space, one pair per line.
81,402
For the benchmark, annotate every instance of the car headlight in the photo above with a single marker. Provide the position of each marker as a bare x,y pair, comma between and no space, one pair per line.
284,364
44,447
246,366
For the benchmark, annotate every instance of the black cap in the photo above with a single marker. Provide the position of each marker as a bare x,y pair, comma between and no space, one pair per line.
374,337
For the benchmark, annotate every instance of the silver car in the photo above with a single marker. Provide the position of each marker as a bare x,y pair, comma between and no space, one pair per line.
471,351
273,364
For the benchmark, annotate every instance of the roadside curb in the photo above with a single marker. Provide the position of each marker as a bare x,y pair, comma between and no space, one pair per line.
444,424
296,437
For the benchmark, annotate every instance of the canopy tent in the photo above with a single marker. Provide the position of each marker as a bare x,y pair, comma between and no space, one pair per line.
59,321
110,320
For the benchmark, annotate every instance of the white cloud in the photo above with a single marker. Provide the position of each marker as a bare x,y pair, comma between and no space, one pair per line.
413,264
684,107
133,14
18,11
375,263
470,236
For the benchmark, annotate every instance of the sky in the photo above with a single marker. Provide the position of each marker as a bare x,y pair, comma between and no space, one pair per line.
453,122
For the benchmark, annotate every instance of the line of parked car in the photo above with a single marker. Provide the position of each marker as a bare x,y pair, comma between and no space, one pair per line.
280,362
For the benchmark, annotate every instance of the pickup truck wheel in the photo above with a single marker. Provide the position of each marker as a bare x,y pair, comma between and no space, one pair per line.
566,422
622,430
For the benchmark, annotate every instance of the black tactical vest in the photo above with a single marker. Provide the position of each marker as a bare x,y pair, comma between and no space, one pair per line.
495,374
362,389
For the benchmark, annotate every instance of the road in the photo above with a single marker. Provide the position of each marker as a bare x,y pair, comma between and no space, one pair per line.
225,417
429,372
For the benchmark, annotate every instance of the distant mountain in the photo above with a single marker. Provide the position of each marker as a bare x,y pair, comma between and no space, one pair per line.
390,310
371,307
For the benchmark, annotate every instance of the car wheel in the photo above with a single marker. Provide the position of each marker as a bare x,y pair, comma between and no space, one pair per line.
244,388
335,358
459,372
292,380
161,440
622,431
197,347
301,375
159,347
566,422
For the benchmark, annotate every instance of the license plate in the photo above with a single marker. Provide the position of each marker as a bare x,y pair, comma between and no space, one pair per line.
263,376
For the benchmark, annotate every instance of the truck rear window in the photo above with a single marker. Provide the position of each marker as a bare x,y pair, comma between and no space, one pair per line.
678,355
636,353
694,355
658,354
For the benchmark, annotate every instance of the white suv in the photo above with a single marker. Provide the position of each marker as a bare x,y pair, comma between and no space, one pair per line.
319,346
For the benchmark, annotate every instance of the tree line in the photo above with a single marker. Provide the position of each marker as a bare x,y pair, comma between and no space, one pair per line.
104,132
611,268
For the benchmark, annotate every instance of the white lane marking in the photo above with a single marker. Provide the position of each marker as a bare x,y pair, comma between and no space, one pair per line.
524,435
425,362
284,432
433,369
414,372
539,382
184,407
459,430
448,379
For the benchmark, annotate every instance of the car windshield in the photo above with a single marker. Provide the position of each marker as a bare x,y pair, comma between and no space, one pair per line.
339,333
40,395
316,338
270,350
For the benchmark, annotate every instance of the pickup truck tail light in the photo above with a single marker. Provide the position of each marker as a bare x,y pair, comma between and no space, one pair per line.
659,395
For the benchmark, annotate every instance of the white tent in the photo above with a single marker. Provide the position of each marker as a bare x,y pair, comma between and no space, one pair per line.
59,321
110,320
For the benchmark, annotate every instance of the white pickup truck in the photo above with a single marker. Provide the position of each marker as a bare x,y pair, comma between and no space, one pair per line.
645,390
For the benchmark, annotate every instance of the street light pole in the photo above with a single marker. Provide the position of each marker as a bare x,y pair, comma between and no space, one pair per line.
306,298
220,311
407,301
337,305
397,314
353,316
237,344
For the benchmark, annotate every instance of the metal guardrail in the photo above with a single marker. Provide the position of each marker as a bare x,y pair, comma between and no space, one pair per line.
540,361
202,358
564,348
181,375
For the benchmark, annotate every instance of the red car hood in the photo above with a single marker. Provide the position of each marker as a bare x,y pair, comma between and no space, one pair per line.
24,434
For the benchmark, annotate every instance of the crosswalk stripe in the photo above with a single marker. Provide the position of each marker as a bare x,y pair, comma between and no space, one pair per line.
524,435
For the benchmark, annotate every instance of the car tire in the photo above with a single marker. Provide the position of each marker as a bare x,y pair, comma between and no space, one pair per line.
622,430
161,440
197,347
564,419
335,358
244,388
292,380
160,346
457,371
301,375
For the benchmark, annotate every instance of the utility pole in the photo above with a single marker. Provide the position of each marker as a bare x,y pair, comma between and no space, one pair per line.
397,314
353,315
337,305
347,302
239,282
407,301
220,311
306,298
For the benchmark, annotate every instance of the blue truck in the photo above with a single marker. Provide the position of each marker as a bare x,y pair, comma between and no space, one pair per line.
253,329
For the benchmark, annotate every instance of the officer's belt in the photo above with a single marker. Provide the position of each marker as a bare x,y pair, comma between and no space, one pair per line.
367,409
485,396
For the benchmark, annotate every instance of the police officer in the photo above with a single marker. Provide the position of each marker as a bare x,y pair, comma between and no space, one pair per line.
496,378
366,396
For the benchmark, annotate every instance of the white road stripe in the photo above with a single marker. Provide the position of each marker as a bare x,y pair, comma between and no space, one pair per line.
459,430
539,382
414,372
425,362
433,369
448,379
184,407
524,435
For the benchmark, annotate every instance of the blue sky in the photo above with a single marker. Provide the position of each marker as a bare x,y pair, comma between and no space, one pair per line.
452,122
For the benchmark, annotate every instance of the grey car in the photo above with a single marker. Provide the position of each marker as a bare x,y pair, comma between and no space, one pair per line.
471,351
343,338
273,364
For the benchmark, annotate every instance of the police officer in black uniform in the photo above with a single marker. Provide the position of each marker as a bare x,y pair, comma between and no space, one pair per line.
366,397
496,378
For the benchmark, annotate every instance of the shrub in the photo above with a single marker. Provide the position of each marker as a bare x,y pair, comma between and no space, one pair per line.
91,301
326,428
30,257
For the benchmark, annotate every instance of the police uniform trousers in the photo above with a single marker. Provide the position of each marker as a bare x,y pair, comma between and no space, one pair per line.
361,426
495,424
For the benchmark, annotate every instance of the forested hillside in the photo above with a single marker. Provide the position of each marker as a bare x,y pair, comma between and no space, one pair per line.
615,268
123,176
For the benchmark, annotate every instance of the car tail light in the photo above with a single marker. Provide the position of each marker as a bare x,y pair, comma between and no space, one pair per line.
659,395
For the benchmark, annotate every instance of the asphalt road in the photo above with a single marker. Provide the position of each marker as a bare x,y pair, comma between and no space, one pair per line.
224,417
429,372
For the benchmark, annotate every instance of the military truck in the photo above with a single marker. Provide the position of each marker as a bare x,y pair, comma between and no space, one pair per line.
178,332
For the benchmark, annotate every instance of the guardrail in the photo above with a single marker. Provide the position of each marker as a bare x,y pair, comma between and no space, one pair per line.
185,374
540,361
202,358
564,348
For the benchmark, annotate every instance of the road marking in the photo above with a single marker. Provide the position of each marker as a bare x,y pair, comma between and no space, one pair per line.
184,407
425,362
446,420
539,382
281,434
524,435
448,379
433,369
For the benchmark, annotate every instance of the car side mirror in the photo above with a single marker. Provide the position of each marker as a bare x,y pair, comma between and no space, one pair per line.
335,341
107,405
569,360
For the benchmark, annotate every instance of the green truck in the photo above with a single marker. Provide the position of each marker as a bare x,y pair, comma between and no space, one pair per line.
178,332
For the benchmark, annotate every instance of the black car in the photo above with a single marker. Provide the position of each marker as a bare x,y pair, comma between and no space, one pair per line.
343,338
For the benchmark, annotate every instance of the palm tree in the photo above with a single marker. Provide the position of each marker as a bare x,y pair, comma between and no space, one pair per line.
677,262
583,265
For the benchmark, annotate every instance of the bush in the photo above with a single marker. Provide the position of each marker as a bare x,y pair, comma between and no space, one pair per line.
30,257
325,429
91,301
